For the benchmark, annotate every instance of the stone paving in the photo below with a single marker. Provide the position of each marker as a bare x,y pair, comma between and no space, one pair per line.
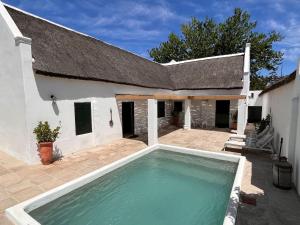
19,181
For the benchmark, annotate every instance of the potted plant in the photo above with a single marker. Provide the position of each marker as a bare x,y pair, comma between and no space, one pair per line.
45,138
234,116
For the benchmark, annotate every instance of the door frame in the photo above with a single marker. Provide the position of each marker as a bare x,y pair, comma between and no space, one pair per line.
228,122
131,105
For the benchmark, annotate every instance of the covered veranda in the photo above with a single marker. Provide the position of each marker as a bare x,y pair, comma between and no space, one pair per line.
152,110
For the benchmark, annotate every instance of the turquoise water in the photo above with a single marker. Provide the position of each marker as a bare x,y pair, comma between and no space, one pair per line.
161,188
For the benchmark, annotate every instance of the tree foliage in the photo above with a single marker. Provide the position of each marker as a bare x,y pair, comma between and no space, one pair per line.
207,38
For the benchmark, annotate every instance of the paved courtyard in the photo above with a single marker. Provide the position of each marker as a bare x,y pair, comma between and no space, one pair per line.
19,181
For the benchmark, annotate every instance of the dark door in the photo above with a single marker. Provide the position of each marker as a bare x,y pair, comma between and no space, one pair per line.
128,118
254,114
222,113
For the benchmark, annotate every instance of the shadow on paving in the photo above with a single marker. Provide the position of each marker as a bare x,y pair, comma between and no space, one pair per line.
273,206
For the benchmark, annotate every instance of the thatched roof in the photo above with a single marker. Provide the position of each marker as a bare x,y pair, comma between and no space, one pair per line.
62,52
211,73
281,82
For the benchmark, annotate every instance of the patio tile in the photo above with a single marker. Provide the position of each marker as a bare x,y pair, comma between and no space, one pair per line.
52,183
27,193
4,220
9,179
6,203
24,184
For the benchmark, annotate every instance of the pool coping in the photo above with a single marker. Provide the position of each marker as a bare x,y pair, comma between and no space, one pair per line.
18,215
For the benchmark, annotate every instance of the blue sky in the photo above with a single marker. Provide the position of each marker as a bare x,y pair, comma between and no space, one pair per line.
138,26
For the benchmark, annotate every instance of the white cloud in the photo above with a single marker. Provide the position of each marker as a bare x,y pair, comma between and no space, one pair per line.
290,29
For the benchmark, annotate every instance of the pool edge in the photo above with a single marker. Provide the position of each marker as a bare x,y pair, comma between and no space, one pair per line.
18,215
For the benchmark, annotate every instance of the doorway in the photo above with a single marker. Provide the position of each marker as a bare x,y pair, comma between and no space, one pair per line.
222,113
128,118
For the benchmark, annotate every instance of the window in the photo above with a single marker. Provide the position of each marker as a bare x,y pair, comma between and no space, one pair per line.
160,109
177,106
83,117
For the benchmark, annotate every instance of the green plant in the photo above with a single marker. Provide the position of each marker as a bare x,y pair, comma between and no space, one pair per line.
234,116
208,37
263,123
44,133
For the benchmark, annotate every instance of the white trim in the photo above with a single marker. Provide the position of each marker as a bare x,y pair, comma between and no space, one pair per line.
72,30
247,58
24,40
9,21
18,213
201,59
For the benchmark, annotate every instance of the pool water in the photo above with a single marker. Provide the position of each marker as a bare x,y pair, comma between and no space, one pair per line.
160,188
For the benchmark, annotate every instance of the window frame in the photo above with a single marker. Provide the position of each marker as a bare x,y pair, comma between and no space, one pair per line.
88,127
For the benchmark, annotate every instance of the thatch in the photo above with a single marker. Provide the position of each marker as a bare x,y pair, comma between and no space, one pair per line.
215,73
65,53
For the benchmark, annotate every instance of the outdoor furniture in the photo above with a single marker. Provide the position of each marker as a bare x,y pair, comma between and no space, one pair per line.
234,144
263,133
237,137
264,143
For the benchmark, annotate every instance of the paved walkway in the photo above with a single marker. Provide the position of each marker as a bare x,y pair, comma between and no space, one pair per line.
19,181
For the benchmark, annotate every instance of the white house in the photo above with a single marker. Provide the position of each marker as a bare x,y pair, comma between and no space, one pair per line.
281,101
97,92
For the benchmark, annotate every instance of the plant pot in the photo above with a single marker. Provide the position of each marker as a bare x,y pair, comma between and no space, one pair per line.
234,125
46,152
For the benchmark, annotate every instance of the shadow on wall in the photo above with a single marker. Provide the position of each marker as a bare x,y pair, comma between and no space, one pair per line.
55,108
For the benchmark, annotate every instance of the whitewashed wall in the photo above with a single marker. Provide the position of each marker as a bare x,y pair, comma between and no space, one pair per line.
67,91
278,103
255,100
12,101
283,105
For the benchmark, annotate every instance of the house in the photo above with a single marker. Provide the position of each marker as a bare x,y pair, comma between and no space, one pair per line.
98,92
254,107
281,101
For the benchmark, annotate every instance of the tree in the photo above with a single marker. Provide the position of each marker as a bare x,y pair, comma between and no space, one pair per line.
208,38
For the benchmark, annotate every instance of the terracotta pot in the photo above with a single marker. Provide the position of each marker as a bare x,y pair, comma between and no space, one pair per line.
46,152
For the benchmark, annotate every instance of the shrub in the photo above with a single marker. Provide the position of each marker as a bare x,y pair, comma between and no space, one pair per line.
44,133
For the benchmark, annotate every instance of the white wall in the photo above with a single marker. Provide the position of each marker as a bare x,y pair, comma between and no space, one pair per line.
278,103
294,143
255,100
283,105
12,102
68,91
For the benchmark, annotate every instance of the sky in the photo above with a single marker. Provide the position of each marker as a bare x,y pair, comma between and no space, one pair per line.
138,26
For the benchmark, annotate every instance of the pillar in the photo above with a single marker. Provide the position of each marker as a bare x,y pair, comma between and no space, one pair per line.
152,122
187,114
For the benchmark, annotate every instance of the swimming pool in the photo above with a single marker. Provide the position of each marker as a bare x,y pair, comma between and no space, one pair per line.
159,185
